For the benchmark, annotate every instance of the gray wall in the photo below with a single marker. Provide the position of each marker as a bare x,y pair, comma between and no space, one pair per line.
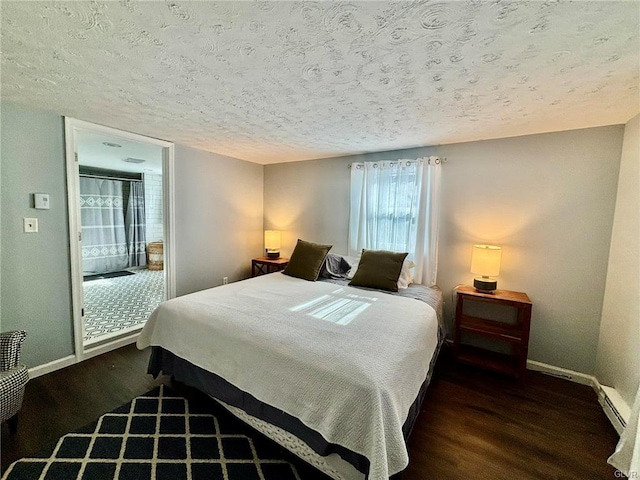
218,218
35,268
618,361
547,199
218,228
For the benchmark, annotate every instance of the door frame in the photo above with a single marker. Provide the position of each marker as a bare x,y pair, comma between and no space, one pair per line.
72,127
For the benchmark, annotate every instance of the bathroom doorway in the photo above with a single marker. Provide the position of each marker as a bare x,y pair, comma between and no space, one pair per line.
118,192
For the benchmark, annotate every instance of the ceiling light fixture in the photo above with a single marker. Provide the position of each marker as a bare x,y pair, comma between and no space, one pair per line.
111,144
134,160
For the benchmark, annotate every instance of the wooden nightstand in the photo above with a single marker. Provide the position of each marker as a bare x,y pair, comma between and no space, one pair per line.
264,265
514,333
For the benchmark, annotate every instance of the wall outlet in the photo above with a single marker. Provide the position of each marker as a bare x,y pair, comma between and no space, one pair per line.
30,225
225,280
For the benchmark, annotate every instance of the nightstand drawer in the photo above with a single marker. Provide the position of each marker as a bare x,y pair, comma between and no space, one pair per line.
492,329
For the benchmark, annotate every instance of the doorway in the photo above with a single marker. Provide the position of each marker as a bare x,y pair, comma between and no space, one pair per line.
120,206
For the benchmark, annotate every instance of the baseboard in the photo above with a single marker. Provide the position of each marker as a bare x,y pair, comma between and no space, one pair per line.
40,370
112,345
572,376
613,405
52,366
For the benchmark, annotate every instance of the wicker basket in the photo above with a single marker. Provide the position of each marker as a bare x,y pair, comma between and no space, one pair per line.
155,256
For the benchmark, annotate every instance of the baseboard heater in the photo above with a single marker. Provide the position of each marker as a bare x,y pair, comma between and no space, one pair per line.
615,408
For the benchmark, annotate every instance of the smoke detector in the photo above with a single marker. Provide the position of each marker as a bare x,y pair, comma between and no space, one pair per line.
134,160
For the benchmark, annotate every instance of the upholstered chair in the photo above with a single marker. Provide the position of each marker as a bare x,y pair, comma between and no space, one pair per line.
13,377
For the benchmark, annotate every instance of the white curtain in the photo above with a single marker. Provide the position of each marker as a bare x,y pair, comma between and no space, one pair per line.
627,455
395,206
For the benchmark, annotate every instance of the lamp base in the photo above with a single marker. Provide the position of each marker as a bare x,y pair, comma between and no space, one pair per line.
485,285
273,255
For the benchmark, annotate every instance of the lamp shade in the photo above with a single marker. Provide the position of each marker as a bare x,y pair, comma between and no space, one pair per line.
485,260
272,240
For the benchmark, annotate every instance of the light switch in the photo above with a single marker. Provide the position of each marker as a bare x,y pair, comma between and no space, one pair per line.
41,201
30,225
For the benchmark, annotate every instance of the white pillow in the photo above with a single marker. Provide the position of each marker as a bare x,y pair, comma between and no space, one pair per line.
406,274
354,261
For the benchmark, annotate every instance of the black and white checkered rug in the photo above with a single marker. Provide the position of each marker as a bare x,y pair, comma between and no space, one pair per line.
164,436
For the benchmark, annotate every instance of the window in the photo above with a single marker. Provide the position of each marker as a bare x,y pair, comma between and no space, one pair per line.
394,207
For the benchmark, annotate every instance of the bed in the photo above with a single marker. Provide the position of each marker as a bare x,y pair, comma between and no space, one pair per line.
334,373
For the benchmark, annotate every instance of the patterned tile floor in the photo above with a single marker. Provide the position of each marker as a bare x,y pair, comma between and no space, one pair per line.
114,305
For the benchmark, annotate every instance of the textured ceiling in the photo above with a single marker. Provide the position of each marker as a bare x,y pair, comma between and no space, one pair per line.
282,81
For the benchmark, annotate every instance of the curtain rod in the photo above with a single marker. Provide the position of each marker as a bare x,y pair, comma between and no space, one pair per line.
104,177
437,161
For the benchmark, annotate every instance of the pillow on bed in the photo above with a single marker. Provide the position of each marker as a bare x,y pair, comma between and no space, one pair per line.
379,269
306,260
404,280
334,266
354,261
406,274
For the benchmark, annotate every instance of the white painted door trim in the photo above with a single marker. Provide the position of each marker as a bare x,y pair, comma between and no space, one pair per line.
72,126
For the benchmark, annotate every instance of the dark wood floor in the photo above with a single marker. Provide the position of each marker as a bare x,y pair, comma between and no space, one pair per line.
478,425
473,424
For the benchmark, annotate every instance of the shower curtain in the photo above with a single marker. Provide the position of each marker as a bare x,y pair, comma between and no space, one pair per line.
111,241
104,243
134,221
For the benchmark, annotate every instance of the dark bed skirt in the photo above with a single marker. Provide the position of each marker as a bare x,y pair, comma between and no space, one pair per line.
163,361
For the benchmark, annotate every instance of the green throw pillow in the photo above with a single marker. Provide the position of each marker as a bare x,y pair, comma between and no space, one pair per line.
306,260
379,269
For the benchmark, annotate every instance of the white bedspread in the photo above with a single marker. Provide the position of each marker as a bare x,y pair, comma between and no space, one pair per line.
347,362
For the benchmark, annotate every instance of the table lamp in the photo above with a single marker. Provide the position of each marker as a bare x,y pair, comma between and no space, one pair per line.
272,243
485,261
